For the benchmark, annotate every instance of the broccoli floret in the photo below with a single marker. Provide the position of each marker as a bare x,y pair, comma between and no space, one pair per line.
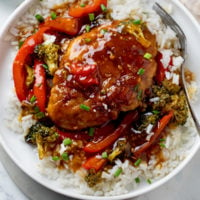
148,119
47,134
41,136
49,52
171,87
164,97
92,178
171,98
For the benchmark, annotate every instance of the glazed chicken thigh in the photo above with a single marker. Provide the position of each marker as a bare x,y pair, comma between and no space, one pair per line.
103,72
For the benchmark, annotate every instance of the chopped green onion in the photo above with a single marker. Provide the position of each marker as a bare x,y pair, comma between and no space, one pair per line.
147,56
91,132
149,181
141,71
55,158
118,172
67,141
40,115
87,40
137,162
137,180
84,107
65,156
162,145
103,31
162,139
20,44
36,109
137,21
103,8
104,154
33,99
87,28
156,112
82,5
139,95
45,66
91,16
53,15
39,18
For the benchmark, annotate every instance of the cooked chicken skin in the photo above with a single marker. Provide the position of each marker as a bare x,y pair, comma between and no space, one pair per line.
102,73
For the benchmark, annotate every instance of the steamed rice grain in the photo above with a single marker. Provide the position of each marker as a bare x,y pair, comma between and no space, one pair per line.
178,142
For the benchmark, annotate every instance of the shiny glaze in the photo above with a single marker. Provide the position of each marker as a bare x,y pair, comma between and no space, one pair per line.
101,73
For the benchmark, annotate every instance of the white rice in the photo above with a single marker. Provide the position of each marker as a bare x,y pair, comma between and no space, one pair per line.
178,142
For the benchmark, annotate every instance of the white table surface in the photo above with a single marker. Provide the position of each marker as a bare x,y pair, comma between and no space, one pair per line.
15,185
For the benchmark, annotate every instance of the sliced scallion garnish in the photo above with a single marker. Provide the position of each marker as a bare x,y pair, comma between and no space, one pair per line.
91,16
162,145
33,99
82,5
103,31
137,162
87,28
137,180
149,181
53,15
137,21
103,8
65,156
141,71
87,40
118,172
148,56
91,131
84,107
20,44
40,115
39,18
156,112
55,158
104,154
67,141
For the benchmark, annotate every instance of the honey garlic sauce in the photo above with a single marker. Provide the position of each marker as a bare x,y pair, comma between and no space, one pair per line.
100,70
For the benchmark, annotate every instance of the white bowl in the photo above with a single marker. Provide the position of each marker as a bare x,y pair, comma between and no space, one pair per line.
23,154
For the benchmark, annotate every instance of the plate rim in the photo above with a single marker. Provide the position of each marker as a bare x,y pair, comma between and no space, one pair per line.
12,18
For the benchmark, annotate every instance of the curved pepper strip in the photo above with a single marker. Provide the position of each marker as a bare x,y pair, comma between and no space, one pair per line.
78,11
94,147
39,88
160,73
19,72
69,26
94,163
66,25
162,123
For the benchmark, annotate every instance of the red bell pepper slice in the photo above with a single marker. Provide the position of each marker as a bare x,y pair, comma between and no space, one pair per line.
85,74
93,146
39,88
94,163
162,123
160,73
19,72
69,26
78,11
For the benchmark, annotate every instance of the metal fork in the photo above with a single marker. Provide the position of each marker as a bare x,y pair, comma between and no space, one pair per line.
169,21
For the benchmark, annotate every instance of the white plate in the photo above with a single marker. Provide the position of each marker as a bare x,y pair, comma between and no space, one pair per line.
23,155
